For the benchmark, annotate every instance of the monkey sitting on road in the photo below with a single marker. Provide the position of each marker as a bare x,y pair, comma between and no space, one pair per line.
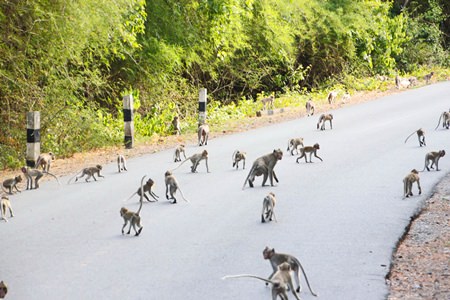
408,181
309,107
44,160
268,208
12,183
445,116
177,154
323,118
121,163
4,205
293,145
89,172
420,135
237,157
133,217
434,157
37,174
196,159
146,188
281,282
172,186
310,150
203,134
264,165
278,258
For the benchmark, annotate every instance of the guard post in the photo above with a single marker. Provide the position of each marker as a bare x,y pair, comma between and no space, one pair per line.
128,121
202,106
33,138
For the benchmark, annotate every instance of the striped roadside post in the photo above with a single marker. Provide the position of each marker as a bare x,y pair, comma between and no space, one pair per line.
202,106
33,138
128,121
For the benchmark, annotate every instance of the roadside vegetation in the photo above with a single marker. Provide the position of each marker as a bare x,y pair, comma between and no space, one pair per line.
74,61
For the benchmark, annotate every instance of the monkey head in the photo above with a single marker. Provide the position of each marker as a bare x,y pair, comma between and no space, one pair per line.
3,289
205,153
284,266
18,178
278,154
150,182
123,211
99,167
414,171
268,253
24,170
168,173
441,153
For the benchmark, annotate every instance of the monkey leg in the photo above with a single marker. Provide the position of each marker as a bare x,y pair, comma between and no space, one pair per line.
139,231
123,227
265,179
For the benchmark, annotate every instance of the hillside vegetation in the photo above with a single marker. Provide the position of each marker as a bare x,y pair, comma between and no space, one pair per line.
74,60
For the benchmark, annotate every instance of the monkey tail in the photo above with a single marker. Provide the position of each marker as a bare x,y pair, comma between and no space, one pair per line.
306,277
248,176
410,136
142,195
182,195
249,276
439,121
47,172
130,197
180,164
233,158
289,145
71,178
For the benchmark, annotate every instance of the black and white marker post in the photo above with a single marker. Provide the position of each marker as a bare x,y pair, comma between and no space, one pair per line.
128,121
33,138
202,106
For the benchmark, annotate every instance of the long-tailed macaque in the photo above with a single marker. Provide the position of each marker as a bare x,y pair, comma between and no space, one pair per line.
268,102
268,212
420,135
12,183
309,107
323,118
293,145
3,289
434,157
408,181
44,160
332,97
278,258
133,217
264,166
89,172
311,150
402,82
121,163
281,282
203,134
172,186
445,116
176,125
5,204
177,154
237,157
427,77
345,98
146,188
196,159
37,174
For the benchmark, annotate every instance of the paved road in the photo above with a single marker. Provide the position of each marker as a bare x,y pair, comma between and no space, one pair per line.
340,217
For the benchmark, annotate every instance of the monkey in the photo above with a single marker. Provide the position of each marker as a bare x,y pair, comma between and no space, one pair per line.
30,173
309,107
121,163
310,150
278,258
133,217
268,102
12,183
434,157
237,157
427,77
268,208
293,145
420,135
402,82
3,289
412,80
176,125
323,118
195,159
44,160
203,134
445,116
4,205
332,97
281,282
408,181
177,154
90,172
172,186
264,165
346,97
147,188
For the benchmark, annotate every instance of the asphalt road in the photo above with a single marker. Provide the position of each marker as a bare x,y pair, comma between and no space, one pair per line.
341,217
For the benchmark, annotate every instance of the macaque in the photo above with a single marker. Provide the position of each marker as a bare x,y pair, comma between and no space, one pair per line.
309,107
264,165
237,157
445,116
133,217
268,208
172,186
332,97
413,80
293,145
177,154
345,98
37,174
268,102
420,135
89,172
408,181
196,159
5,204
44,160
311,150
146,188
176,125
203,134
3,289
12,183
402,82
278,258
281,282
121,163
428,77
323,118
434,157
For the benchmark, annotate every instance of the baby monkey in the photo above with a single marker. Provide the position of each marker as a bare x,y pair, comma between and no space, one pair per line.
408,181
172,186
420,135
293,145
177,154
268,208
146,188
434,157
237,157
196,159
44,160
5,204
133,217
12,183
311,150
121,163
89,172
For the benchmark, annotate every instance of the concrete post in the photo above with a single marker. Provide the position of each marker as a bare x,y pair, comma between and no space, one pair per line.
128,121
33,138
202,106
